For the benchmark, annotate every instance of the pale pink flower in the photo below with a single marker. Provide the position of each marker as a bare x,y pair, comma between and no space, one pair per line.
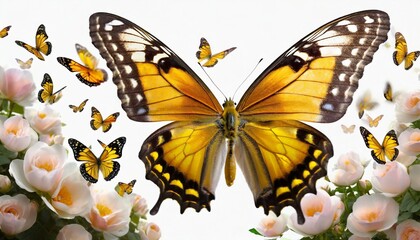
407,106
42,167
320,212
391,178
139,205
272,226
405,159
5,184
149,231
372,214
52,138
17,86
17,214
16,134
414,176
346,170
409,141
73,232
110,213
45,120
355,237
408,230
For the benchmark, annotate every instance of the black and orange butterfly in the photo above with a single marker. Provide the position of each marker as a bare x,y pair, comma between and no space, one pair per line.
122,188
401,52
25,64
204,54
41,44
47,94
97,120
280,157
80,107
388,147
92,164
388,94
88,73
5,31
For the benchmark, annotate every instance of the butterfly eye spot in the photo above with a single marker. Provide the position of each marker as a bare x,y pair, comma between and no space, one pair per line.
352,28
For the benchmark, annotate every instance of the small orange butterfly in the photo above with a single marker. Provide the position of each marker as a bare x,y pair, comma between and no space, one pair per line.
348,129
374,122
401,52
365,103
25,65
41,44
122,188
80,107
388,94
97,120
205,54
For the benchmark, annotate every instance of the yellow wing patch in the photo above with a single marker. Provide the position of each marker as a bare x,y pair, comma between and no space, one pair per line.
365,103
5,31
80,107
388,147
25,64
122,188
374,122
93,165
204,54
42,47
401,52
97,120
348,129
47,94
87,73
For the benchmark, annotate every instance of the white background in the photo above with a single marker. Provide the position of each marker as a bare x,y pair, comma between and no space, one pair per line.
259,29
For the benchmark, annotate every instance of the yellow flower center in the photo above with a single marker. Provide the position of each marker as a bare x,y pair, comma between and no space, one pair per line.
11,211
310,212
413,102
103,210
370,217
415,137
13,131
64,196
47,165
42,115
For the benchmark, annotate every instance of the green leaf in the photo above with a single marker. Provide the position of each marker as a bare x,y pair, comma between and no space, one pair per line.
4,160
254,231
18,109
404,216
415,124
410,201
6,153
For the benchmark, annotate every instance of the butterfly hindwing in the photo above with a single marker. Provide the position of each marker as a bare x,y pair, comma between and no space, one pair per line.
97,120
380,151
42,47
401,53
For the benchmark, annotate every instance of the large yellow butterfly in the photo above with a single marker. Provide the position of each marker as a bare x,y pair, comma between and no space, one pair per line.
97,120
25,65
388,94
88,73
365,103
374,122
401,52
5,31
90,169
204,53
379,151
280,157
122,188
41,44
47,94
80,107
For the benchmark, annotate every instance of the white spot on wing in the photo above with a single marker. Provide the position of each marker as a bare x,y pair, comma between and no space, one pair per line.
346,63
362,41
128,69
369,19
334,91
344,22
354,51
337,40
342,77
330,51
352,28
302,55
328,107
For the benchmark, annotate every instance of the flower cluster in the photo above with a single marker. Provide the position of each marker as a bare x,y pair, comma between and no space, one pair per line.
42,193
385,206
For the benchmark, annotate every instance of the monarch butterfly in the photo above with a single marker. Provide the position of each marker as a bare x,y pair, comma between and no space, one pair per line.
80,107
5,31
92,164
47,94
41,44
379,151
97,120
88,73
388,92
25,65
365,103
122,188
374,122
280,157
204,53
348,129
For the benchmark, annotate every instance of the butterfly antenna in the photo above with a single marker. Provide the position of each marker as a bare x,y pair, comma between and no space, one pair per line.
212,81
246,78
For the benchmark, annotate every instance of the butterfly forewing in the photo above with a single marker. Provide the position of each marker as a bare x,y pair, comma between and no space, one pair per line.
331,60
151,78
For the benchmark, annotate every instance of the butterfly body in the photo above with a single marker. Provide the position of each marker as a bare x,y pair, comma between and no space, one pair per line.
42,47
280,157
380,151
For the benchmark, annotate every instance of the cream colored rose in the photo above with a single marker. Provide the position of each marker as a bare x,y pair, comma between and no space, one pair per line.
272,226
149,231
17,214
139,205
391,178
16,134
407,106
408,230
5,184
17,86
345,170
73,232
409,141
45,120
414,176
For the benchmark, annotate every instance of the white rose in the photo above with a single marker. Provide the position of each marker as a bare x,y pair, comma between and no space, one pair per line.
73,232
16,134
17,214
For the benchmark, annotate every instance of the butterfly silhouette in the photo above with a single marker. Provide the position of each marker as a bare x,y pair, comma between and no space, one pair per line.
5,31
401,52
25,65
280,157
80,107
87,73
92,164
47,94
97,120
374,122
379,151
348,129
122,188
41,44
204,54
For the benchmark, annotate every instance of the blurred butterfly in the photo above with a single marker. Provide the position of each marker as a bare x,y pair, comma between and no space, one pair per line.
388,92
47,94
25,65
280,157
80,107
365,103
374,122
379,151
122,188
349,129
41,44
5,31
87,73
401,53
92,164
97,120
204,54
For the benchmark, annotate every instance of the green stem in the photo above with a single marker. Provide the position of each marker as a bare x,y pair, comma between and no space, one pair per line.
11,106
